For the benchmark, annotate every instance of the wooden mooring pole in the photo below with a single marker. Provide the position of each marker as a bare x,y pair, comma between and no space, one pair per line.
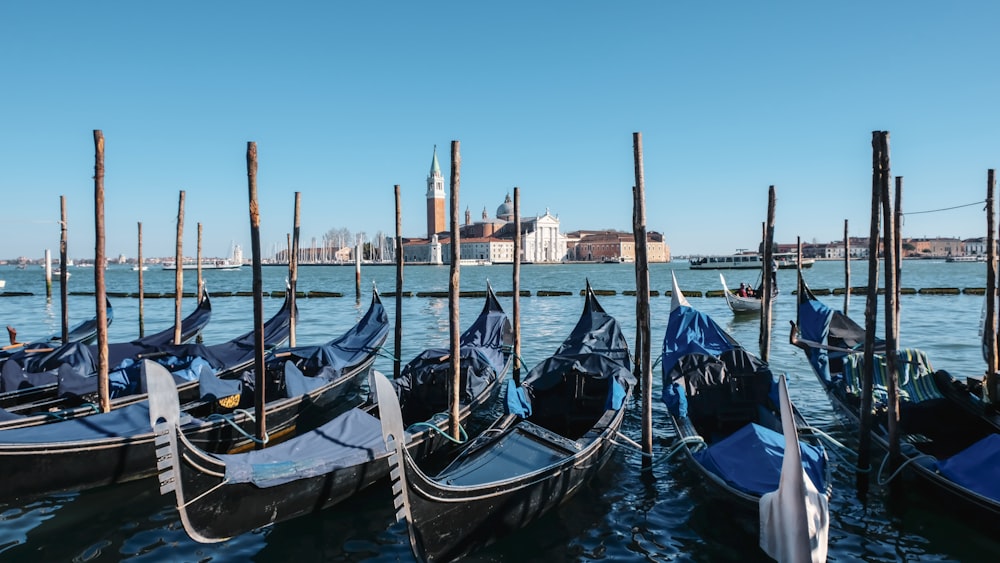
293,267
891,315
847,269
517,285
47,264
198,270
142,327
179,271
871,308
644,372
768,277
398,341
100,294
453,293
258,298
990,326
63,269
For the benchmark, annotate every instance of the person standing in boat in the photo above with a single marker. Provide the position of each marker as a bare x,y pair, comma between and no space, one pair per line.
743,290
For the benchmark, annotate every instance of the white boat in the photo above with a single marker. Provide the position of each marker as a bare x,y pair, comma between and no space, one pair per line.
966,258
210,265
234,262
740,304
3,284
747,261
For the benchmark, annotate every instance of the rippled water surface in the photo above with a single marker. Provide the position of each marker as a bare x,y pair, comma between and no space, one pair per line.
666,514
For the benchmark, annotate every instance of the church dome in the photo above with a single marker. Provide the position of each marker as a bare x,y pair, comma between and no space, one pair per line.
506,210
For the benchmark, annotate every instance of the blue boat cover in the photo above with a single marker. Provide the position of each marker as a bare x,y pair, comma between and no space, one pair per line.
814,325
352,438
422,386
689,331
750,460
595,351
977,467
131,420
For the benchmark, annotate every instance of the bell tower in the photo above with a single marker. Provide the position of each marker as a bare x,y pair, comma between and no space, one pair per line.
435,198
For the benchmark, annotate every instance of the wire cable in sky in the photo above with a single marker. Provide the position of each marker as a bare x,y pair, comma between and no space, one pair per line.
945,208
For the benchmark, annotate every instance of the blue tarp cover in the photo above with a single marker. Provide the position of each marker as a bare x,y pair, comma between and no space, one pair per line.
348,440
814,325
750,460
689,331
977,467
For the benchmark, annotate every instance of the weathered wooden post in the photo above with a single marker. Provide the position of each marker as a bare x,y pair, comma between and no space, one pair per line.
768,276
453,294
293,266
142,328
63,269
897,218
871,307
198,258
179,271
517,285
891,314
644,371
847,269
990,325
47,264
103,392
358,248
258,298
398,342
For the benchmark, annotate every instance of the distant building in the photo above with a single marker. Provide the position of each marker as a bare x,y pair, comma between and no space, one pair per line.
489,239
615,246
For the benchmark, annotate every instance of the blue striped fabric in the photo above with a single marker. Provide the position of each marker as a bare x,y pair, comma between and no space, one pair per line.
916,381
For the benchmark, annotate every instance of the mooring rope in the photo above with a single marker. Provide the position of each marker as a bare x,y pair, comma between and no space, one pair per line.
678,446
898,469
432,426
228,419
835,449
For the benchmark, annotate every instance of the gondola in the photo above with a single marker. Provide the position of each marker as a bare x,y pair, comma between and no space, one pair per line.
221,496
557,434
947,438
84,332
744,304
38,377
85,452
75,366
724,404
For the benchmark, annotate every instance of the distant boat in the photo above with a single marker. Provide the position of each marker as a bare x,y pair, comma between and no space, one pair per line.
3,284
234,262
745,304
474,262
135,268
747,261
968,258
213,265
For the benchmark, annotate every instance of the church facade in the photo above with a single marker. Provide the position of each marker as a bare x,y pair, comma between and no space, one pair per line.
485,241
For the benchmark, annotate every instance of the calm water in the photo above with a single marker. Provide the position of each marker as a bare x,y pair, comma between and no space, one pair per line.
627,515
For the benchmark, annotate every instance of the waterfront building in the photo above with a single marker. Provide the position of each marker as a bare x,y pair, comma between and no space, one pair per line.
486,240
615,246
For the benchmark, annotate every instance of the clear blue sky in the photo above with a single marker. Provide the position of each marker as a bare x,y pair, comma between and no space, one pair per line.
344,101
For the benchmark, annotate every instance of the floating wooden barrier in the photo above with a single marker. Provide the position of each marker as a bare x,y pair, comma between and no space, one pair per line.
604,292
314,294
632,292
523,293
687,293
940,291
